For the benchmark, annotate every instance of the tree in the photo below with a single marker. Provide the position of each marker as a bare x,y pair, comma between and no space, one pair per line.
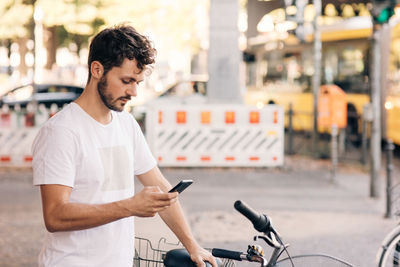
173,21
16,23
68,21
15,15
171,24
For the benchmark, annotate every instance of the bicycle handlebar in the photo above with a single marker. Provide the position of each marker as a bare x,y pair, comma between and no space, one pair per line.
260,222
228,254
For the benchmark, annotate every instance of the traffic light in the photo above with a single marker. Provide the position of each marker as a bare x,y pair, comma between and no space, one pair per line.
382,10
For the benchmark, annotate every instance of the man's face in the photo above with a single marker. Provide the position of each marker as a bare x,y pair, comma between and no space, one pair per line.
120,83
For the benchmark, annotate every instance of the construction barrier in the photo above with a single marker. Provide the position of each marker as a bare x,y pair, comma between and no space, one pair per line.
180,136
216,135
18,128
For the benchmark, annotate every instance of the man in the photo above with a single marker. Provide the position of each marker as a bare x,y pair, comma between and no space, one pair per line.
85,160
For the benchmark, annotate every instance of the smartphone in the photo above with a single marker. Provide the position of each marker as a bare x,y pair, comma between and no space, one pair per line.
181,186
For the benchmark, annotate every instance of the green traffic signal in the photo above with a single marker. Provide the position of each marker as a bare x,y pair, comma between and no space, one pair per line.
384,16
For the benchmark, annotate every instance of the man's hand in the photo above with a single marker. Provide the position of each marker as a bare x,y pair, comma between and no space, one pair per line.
200,255
150,201
175,219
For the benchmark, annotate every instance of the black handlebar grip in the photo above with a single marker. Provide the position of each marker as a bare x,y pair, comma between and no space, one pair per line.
227,254
260,222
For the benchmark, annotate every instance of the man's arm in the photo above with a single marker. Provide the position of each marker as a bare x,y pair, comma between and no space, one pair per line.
61,215
175,219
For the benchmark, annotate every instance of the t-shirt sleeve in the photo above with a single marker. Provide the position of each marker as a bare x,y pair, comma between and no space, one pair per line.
144,160
54,153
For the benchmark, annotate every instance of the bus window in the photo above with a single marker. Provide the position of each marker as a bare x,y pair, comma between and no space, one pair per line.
331,66
285,71
352,69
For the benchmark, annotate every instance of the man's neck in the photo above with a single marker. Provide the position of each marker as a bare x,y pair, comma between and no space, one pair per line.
92,104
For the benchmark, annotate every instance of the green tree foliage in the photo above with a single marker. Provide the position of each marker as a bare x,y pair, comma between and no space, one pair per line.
173,21
173,24
15,15
76,16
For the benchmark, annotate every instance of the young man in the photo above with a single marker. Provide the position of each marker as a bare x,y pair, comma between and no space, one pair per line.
85,160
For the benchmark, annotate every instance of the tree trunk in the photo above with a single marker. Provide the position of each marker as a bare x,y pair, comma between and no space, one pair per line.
23,68
78,39
8,43
51,46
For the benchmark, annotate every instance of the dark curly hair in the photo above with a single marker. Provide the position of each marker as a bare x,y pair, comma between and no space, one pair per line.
112,45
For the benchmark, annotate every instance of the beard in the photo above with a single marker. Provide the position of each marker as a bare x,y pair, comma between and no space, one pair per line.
107,98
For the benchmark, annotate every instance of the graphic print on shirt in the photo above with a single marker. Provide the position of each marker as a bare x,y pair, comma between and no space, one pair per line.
116,167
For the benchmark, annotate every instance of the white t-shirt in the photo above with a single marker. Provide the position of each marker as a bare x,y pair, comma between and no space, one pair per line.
99,163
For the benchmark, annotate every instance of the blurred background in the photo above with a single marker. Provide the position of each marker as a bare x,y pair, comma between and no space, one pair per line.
47,41
325,63
280,83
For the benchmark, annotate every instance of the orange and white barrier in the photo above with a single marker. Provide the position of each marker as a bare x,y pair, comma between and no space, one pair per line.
180,135
18,128
216,135
15,147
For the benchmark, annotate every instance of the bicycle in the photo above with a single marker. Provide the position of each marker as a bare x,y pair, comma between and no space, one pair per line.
389,252
254,253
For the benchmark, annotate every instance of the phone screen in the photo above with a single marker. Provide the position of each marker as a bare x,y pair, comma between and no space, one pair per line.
182,185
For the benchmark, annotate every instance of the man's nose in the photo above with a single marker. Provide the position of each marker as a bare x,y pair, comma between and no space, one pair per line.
132,90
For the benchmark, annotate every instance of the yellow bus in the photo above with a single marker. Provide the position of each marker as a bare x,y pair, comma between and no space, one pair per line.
283,70
392,102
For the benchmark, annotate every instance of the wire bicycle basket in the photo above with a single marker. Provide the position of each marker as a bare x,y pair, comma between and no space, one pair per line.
148,256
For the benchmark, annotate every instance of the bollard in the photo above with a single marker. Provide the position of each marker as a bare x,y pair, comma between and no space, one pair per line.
20,118
53,110
367,118
342,142
334,151
290,130
389,169
5,116
364,142
30,115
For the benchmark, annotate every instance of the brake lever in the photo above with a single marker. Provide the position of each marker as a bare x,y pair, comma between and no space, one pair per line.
256,258
271,241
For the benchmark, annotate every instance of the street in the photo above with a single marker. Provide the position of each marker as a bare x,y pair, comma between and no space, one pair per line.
310,212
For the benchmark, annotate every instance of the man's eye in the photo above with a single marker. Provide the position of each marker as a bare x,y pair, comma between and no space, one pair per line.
125,82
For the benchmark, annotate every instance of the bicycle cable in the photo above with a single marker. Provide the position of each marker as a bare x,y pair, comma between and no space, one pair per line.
284,250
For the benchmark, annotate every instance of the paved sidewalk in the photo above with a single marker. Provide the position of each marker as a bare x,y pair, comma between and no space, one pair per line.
310,212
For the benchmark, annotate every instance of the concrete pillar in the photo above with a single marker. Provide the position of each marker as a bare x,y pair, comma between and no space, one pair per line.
224,55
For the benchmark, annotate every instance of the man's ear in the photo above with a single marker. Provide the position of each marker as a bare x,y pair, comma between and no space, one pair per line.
96,69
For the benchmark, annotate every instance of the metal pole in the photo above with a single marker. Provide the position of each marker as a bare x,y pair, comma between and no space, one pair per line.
385,38
376,111
317,73
334,151
290,130
389,169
